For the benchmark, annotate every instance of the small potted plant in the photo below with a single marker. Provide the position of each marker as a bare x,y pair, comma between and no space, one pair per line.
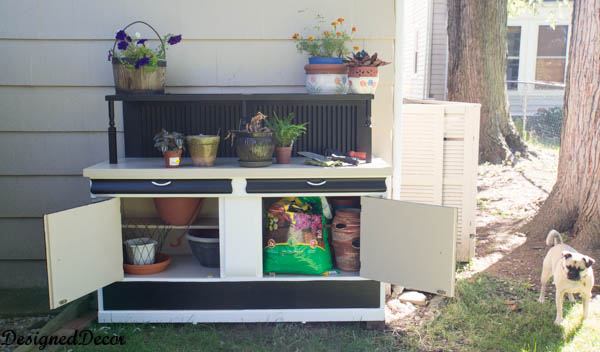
171,145
138,69
326,72
363,71
285,134
255,143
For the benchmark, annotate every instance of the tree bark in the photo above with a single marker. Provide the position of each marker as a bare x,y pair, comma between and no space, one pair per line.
477,72
573,203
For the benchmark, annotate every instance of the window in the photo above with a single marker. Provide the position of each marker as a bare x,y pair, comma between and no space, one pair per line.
551,55
513,39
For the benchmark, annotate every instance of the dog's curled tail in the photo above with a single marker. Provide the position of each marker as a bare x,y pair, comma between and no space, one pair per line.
553,238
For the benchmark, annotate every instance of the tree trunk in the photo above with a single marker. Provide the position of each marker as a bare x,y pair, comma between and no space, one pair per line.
477,72
573,202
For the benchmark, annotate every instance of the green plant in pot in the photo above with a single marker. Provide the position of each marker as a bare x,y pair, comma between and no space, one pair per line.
363,71
255,143
326,47
171,145
285,134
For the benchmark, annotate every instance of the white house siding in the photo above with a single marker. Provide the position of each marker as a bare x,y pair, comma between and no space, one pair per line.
546,14
416,32
54,75
439,51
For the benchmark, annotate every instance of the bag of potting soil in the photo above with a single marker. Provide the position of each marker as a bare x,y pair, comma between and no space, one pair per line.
295,237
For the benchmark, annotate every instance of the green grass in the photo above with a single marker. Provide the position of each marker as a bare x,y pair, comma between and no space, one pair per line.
491,314
487,314
247,337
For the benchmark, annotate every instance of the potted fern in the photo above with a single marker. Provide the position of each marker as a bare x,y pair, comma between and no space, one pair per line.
285,134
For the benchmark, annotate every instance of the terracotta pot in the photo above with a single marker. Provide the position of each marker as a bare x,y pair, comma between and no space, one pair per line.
160,264
326,78
178,211
343,202
283,154
345,235
172,159
140,81
203,149
363,79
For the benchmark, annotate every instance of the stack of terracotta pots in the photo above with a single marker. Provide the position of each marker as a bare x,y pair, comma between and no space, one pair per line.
346,238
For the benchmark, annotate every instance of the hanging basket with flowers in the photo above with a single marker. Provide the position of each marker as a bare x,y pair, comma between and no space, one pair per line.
326,72
138,69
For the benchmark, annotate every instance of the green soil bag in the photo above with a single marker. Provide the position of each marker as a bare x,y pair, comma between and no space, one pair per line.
295,238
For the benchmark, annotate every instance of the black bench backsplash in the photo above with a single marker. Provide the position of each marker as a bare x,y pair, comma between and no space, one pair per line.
339,124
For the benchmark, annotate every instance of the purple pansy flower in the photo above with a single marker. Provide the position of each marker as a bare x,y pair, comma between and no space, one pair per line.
122,45
121,35
109,55
174,39
128,38
142,62
142,41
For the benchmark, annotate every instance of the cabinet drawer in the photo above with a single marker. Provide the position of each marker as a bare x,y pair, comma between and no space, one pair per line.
161,186
298,185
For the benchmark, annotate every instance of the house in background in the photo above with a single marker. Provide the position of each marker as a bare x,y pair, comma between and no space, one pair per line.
536,52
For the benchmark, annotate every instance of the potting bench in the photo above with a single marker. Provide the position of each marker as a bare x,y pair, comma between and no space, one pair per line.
403,243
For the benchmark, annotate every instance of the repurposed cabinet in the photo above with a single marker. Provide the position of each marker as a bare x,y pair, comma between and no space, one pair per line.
439,157
404,243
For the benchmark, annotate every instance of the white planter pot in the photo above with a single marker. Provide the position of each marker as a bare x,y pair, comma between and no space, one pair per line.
327,84
140,251
363,79
363,85
326,78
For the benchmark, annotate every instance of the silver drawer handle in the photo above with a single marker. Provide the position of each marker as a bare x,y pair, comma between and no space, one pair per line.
161,184
316,184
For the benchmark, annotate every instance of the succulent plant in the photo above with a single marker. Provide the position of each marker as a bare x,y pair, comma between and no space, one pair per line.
362,58
256,125
164,141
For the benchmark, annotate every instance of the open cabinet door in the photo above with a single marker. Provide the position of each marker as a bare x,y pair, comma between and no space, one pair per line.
408,244
83,250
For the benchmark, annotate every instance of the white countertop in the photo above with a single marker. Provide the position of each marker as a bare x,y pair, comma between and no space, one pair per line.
154,168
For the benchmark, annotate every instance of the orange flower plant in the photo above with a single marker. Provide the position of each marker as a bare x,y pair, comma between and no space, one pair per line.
325,43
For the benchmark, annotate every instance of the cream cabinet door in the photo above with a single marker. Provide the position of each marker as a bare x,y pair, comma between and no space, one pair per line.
83,250
408,244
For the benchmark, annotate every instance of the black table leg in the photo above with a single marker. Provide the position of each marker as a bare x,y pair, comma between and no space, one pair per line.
112,134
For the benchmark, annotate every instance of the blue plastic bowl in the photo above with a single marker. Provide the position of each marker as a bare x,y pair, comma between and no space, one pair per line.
325,60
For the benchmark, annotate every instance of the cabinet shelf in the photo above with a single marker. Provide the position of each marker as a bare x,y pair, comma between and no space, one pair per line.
154,223
183,268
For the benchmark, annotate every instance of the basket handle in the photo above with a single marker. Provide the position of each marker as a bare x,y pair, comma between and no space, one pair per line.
162,42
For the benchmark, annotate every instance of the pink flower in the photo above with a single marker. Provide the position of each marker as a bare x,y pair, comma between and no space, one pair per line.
363,83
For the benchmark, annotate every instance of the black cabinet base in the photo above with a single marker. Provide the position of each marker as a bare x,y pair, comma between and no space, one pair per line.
241,295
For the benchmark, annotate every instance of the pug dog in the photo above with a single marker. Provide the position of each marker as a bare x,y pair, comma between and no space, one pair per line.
572,273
